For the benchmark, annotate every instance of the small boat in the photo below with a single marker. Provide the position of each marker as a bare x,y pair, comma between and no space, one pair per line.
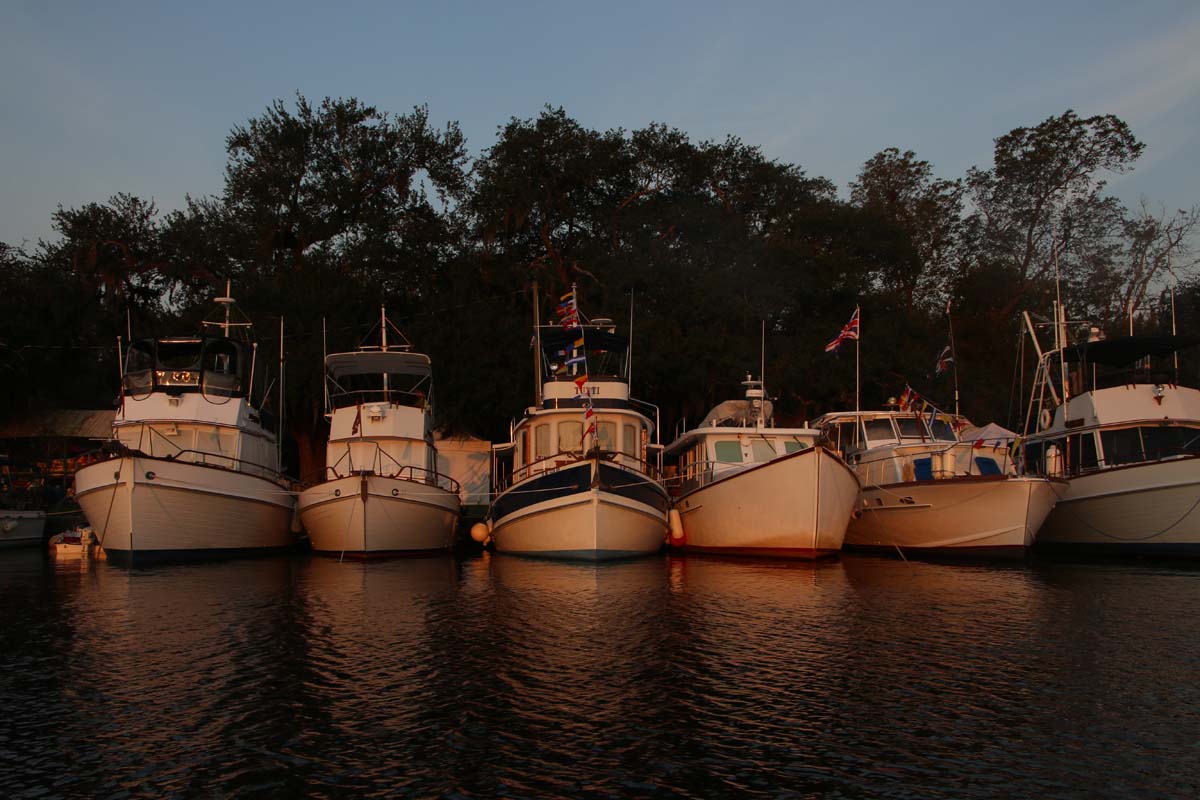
382,493
575,481
745,487
21,528
925,489
1111,418
76,543
192,469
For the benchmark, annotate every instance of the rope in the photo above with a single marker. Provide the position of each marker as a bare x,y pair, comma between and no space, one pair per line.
1107,535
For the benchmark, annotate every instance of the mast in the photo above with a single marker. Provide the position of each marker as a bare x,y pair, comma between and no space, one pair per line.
383,343
537,348
953,355
279,432
324,357
629,354
762,358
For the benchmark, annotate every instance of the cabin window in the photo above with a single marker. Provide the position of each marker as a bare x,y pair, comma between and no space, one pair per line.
1162,441
606,434
139,368
570,436
1123,446
179,363
523,454
794,446
541,441
630,441
729,452
910,428
1083,451
880,429
849,435
943,431
1033,458
762,450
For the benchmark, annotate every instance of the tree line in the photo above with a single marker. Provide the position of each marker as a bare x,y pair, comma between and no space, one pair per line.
332,209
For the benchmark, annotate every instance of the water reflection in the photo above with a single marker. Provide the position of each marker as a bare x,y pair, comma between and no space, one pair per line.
662,676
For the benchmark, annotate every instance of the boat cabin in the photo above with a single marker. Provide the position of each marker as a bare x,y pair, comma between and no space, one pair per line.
215,366
380,411
887,447
852,433
1124,405
551,435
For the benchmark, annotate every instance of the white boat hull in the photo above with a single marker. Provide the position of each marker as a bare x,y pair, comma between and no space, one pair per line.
796,506
586,521
390,517
149,508
21,528
974,514
1139,508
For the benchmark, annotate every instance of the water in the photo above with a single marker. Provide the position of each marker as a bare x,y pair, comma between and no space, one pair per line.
664,677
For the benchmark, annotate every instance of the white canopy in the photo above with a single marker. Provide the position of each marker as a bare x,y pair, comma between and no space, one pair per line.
991,434
377,362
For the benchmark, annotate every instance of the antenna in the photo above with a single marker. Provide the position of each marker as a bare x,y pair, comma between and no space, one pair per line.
279,433
953,355
324,357
227,302
537,348
629,357
383,343
762,358
1060,324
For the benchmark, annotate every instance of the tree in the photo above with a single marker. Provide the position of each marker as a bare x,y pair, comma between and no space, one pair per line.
1043,197
902,190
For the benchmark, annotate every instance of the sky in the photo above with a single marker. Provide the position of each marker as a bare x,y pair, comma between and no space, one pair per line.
138,97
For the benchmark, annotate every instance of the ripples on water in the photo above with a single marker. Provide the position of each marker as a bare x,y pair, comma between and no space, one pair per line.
669,677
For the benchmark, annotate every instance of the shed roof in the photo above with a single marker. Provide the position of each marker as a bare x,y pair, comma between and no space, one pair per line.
62,423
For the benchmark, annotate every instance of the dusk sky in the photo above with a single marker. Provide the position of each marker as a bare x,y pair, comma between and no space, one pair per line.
138,97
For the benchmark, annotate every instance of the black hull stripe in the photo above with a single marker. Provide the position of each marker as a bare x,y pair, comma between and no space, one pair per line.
551,486
634,486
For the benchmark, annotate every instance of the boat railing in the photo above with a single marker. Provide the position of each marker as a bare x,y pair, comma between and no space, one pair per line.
380,462
957,460
565,459
116,448
1063,456
358,397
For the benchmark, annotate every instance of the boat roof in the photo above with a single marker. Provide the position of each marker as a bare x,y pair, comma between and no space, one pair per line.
735,413
686,438
1123,350
372,362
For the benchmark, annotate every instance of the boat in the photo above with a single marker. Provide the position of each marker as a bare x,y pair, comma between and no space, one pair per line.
21,528
381,493
193,466
577,478
745,487
925,489
76,543
1111,417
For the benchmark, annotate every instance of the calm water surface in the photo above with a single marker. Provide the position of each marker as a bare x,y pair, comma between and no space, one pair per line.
664,677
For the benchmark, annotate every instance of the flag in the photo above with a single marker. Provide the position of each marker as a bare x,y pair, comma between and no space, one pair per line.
357,422
944,360
906,398
850,331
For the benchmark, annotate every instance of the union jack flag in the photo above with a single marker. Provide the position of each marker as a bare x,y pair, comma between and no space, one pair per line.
850,331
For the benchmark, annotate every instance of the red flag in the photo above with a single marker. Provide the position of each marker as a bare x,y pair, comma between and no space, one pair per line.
357,422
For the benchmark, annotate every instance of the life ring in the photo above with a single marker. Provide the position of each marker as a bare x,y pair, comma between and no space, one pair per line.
1044,419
